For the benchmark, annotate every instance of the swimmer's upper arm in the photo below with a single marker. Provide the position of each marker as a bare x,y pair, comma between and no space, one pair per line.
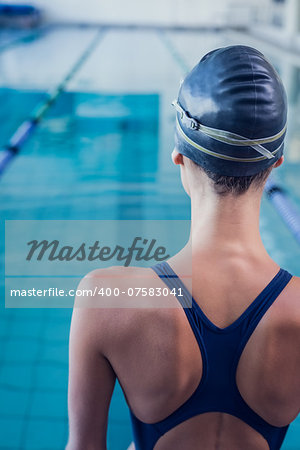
91,384
286,342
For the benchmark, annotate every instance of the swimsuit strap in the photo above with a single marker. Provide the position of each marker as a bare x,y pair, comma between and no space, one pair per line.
254,311
221,349
260,306
186,300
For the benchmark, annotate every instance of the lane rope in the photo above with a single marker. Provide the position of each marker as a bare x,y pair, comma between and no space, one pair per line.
284,206
12,148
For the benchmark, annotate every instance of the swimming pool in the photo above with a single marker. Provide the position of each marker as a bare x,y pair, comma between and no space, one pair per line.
102,152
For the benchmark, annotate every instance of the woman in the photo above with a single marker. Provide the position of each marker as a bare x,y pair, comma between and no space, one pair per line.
224,373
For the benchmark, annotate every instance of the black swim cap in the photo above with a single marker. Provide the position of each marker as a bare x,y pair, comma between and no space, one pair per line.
232,112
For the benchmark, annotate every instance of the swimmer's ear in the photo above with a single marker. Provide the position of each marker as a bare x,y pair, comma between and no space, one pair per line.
177,158
279,162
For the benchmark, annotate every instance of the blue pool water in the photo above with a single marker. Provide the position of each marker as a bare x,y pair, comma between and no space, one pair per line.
102,152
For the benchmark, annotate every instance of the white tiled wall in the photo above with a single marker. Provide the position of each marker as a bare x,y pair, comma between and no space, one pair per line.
183,12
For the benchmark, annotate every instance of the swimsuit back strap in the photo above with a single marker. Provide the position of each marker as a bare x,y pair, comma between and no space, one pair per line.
184,297
260,306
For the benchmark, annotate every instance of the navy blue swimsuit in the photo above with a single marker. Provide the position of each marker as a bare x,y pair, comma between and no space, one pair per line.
221,349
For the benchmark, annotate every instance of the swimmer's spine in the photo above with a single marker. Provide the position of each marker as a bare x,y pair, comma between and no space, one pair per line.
285,207
26,128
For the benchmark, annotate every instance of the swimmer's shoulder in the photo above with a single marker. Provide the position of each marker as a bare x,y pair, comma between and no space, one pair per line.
281,326
113,318
282,321
287,309
282,356
120,279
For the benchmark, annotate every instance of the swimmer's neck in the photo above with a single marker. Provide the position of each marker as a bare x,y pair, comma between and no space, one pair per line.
226,223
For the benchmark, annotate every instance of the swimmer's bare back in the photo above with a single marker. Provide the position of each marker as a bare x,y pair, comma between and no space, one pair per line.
154,355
